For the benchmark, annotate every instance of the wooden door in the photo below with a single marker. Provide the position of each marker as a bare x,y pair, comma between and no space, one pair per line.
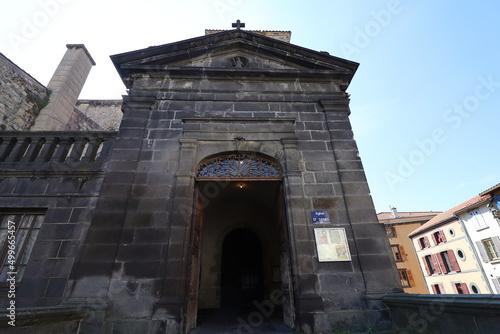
286,268
194,270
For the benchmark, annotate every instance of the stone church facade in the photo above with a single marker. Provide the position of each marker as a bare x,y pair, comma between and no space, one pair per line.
207,197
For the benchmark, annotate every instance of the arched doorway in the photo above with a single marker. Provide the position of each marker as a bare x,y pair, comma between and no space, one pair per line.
240,249
241,269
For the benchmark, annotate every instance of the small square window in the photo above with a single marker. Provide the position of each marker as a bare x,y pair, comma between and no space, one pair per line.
396,251
404,275
491,249
391,232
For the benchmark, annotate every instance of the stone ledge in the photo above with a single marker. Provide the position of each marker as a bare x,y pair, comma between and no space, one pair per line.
487,304
27,317
239,120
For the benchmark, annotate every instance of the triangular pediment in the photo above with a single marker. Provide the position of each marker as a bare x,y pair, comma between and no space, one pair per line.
234,49
237,57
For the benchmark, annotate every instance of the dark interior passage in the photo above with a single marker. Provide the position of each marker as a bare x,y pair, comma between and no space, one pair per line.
241,272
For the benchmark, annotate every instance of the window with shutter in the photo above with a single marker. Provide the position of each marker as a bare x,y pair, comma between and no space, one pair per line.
461,288
496,242
410,278
403,275
426,241
437,289
436,238
490,247
421,243
444,262
435,262
403,254
478,220
482,251
442,236
454,263
397,253
427,264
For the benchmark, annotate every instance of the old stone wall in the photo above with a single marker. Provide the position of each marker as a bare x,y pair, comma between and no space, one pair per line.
58,174
107,114
21,97
148,191
79,122
442,314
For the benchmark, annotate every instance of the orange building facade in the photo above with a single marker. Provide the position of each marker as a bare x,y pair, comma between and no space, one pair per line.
398,226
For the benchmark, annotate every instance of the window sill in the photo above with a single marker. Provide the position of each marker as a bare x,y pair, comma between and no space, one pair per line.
482,228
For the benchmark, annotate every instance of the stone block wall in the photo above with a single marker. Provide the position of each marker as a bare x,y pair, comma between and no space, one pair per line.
80,122
59,175
149,187
106,114
21,97
444,314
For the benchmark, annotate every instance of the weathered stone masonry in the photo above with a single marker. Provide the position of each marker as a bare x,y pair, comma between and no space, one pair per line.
122,226
190,100
58,174
21,97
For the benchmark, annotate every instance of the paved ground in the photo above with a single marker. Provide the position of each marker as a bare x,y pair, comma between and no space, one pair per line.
235,321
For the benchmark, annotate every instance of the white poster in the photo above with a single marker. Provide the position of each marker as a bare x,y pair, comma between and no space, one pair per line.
331,244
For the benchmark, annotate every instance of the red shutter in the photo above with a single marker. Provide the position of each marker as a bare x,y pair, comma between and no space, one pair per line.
454,285
410,278
439,258
465,289
453,260
427,269
435,289
402,253
441,288
435,261
426,242
442,236
434,239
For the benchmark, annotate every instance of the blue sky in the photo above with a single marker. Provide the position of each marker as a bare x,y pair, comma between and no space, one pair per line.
424,100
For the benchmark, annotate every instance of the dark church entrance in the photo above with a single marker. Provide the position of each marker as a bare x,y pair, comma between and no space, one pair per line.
240,252
241,269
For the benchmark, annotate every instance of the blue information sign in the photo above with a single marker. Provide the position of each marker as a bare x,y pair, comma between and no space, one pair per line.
320,217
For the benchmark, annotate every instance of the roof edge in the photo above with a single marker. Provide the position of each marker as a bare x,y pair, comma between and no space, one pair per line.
489,190
427,229
212,39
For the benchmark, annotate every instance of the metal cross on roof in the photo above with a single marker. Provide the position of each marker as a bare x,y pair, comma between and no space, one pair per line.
238,25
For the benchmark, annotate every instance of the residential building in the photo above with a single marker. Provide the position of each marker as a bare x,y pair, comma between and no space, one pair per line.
446,255
481,223
397,226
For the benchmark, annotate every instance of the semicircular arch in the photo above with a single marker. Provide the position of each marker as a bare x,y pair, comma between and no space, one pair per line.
239,165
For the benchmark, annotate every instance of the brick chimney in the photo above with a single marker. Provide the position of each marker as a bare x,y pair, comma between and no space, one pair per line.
65,86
